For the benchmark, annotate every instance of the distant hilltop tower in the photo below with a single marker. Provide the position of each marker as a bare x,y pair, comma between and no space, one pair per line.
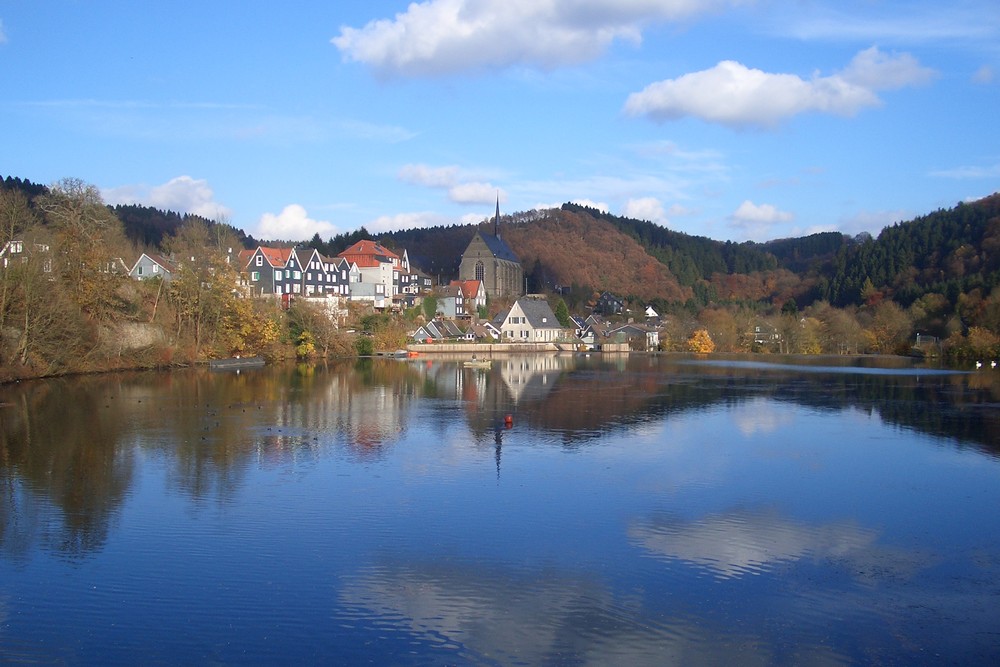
489,260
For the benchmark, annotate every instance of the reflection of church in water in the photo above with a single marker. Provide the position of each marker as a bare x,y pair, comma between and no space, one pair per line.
491,398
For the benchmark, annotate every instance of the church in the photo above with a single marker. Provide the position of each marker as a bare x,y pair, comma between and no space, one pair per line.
491,261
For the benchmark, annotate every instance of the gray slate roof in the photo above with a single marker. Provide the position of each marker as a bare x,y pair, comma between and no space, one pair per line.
498,247
536,310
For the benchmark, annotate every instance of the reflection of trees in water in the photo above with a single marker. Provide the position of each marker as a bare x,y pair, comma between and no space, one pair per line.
62,440
72,441
599,396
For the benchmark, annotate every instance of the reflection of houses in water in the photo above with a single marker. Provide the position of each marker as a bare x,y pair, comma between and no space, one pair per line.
372,418
362,417
530,377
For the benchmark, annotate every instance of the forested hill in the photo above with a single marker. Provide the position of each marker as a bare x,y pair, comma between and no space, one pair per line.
949,252
941,258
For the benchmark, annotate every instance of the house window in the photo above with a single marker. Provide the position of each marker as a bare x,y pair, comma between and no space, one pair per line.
298,275
156,268
277,275
259,260
288,273
255,276
138,270
480,271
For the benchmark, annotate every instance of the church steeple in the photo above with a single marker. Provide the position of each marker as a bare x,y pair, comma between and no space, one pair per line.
496,220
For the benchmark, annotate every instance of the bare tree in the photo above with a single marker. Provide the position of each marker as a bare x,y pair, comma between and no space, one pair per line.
16,219
89,243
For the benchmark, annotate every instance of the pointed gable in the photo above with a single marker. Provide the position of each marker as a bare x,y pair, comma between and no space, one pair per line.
470,288
277,258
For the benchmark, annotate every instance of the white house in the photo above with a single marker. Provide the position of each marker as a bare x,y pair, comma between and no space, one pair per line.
530,320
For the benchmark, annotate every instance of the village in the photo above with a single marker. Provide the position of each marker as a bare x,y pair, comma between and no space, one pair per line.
384,281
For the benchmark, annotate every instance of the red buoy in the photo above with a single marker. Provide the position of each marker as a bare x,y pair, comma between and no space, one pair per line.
508,421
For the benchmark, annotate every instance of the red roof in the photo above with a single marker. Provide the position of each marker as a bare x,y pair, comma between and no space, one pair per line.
364,261
165,262
368,253
470,288
276,257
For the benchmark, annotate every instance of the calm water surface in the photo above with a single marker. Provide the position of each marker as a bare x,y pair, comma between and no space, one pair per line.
636,510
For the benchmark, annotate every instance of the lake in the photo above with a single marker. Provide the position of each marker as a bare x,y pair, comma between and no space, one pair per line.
566,510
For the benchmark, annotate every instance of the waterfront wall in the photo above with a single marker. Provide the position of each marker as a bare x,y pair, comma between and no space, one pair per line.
486,349
489,349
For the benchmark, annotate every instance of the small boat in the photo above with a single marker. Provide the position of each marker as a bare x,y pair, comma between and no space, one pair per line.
236,363
478,363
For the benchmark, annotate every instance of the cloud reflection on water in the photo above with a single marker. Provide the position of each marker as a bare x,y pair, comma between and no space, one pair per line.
740,543
533,617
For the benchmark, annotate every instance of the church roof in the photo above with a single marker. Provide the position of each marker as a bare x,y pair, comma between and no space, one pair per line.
498,248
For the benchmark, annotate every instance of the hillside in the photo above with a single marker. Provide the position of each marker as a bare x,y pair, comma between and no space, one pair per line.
949,252
566,248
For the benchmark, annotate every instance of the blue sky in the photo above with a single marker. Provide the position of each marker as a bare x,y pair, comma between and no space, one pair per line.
733,119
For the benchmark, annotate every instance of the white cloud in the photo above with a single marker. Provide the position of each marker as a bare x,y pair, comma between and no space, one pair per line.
645,208
461,189
876,70
600,206
732,94
475,193
293,224
983,75
755,221
182,194
432,177
438,37
765,213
